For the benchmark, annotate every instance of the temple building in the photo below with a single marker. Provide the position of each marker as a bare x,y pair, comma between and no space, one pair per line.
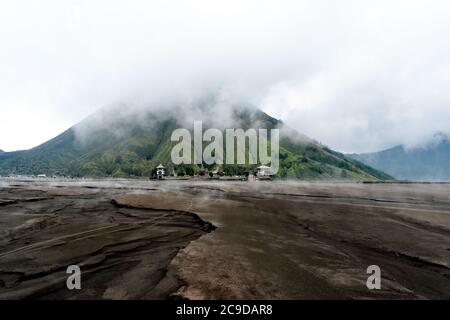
160,171
263,172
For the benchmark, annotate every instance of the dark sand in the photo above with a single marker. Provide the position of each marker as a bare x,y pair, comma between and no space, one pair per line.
273,240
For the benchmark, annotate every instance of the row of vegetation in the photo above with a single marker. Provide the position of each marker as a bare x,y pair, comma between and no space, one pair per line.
313,163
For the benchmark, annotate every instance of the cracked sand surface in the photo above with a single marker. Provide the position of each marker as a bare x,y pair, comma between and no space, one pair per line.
153,239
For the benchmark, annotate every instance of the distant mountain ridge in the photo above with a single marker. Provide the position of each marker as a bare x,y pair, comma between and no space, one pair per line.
430,163
132,145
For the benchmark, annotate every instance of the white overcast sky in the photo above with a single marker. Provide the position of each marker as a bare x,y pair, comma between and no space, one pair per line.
355,75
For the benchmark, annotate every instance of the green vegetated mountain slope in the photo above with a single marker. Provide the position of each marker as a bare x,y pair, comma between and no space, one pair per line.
430,163
117,143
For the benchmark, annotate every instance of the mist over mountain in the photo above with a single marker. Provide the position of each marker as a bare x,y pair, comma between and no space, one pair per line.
424,163
360,75
129,142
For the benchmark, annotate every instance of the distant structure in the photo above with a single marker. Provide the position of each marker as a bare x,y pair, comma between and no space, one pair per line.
215,172
160,171
42,175
263,173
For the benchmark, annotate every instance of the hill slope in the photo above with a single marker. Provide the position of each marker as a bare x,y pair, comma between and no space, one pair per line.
431,163
111,143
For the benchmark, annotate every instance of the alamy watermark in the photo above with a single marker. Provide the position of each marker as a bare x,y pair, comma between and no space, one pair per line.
235,146
374,280
74,280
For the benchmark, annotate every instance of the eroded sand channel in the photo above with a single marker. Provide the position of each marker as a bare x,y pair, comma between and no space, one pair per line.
273,239
123,252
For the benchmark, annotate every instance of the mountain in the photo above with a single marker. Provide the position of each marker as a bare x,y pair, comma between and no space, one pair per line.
430,163
122,143
1,151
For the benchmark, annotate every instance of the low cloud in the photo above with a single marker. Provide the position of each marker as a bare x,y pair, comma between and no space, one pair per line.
355,75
